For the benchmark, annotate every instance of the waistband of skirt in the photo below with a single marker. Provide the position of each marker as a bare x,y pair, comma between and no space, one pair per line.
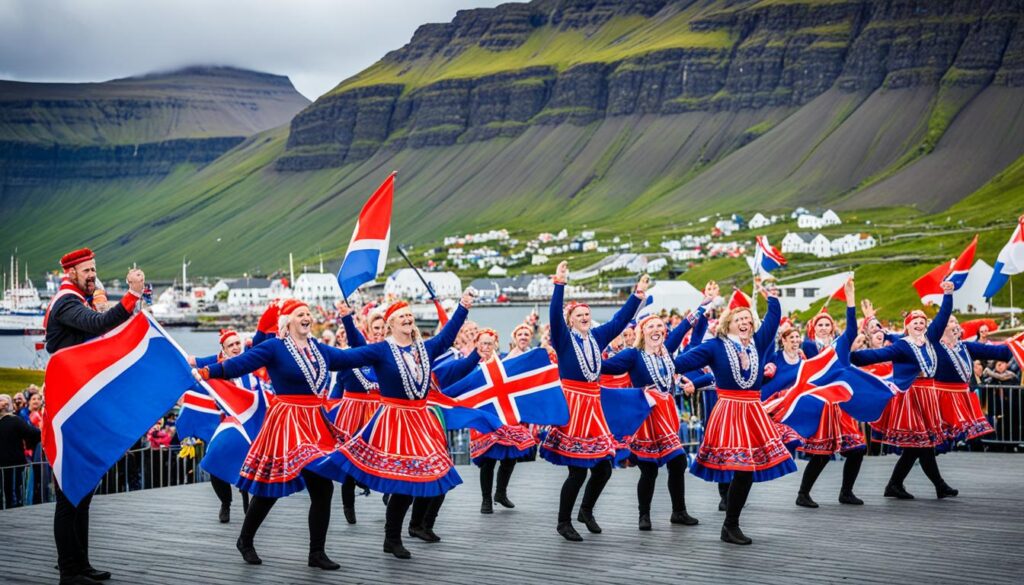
309,400
363,396
950,386
403,403
741,395
581,387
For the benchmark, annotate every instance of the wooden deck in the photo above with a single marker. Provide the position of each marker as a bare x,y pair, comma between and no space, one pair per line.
172,535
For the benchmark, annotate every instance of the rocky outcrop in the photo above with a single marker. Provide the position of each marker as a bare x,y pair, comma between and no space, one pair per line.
780,54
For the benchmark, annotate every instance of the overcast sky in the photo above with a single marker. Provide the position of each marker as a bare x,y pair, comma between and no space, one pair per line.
317,43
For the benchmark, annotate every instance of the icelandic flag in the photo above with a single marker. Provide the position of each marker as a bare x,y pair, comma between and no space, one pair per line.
244,413
962,265
1009,262
457,416
826,379
523,389
767,258
367,252
199,415
102,395
625,409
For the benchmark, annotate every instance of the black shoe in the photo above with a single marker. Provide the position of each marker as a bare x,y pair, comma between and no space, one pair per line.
804,500
587,517
847,497
944,491
423,534
568,532
350,515
77,580
722,505
645,522
486,507
95,574
397,549
683,518
320,560
225,513
248,552
734,535
897,491
504,501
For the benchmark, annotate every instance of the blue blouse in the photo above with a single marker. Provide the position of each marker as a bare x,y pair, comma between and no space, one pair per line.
949,371
563,340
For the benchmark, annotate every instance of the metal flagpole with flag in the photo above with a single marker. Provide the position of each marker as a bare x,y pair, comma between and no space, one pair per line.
1009,262
929,285
367,253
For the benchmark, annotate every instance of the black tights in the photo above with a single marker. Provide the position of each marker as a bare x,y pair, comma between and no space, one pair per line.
676,484
320,491
348,493
906,462
818,462
487,476
599,475
739,489
223,491
424,514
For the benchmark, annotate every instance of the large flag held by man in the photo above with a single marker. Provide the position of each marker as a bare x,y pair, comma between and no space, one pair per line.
367,252
104,394
1009,262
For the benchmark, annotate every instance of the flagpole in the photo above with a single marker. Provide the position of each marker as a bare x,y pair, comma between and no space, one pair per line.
430,289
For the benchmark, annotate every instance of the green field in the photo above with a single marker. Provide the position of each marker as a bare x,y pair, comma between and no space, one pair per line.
16,379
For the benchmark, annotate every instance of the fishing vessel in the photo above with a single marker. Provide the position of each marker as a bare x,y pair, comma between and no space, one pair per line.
21,309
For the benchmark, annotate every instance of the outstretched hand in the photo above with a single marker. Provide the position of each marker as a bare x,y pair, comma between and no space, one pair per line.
562,272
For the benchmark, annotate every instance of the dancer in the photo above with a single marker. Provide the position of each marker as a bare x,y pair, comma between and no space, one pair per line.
741,444
402,450
912,420
70,320
296,439
586,442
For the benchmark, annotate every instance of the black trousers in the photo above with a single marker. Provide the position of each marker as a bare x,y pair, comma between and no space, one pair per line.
320,489
505,469
851,468
676,484
424,514
599,475
71,533
223,490
929,466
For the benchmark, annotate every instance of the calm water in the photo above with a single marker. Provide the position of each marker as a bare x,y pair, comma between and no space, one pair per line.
16,351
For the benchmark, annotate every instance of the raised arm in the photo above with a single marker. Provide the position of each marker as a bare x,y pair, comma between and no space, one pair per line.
559,329
255,358
675,337
985,351
700,329
765,336
355,337
866,357
446,337
74,314
605,333
621,362
938,325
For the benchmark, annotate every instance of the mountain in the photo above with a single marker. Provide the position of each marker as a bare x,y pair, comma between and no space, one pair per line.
604,112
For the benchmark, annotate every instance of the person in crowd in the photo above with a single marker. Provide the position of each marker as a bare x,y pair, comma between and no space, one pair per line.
1000,375
15,436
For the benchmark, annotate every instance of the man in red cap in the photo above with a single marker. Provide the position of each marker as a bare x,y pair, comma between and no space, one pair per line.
70,320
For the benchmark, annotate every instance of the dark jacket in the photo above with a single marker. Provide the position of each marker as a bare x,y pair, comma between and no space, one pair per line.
15,436
71,322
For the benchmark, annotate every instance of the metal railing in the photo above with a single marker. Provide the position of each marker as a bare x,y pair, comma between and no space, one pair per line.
1004,407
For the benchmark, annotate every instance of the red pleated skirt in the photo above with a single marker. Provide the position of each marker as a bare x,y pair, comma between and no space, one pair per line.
838,432
355,410
657,439
586,439
960,411
740,436
515,438
912,418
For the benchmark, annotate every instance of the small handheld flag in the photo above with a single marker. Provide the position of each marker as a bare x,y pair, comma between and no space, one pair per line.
962,265
767,258
1009,262
367,253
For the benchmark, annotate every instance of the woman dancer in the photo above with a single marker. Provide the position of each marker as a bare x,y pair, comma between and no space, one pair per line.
741,444
585,442
912,420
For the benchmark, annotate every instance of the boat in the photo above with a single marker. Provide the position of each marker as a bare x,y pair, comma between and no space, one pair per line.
21,309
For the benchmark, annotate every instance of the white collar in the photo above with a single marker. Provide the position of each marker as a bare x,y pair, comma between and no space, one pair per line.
736,339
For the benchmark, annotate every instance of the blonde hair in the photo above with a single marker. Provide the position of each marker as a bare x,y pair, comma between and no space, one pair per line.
639,342
725,321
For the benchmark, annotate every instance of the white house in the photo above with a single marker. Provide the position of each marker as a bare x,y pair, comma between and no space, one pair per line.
805,243
656,265
799,296
814,222
759,221
317,288
727,226
252,293
404,284
497,271
674,294
852,243
541,287
538,259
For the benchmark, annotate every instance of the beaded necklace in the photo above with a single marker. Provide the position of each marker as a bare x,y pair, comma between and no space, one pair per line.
927,366
316,382
963,367
589,357
365,382
732,350
414,389
661,369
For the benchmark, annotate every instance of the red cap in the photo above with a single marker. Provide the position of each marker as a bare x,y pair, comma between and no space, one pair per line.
225,334
291,305
72,259
394,308
914,315
739,300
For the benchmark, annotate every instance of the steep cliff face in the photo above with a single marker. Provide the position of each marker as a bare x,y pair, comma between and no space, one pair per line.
496,72
136,126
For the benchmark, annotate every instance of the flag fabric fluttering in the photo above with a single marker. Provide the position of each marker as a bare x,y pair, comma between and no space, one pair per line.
962,265
1009,262
367,252
244,411
199,415
102,395
767,258
929,285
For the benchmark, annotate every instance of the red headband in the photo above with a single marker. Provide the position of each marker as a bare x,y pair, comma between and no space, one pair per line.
292,305
485,332
572,306
786,327
225,334
640,324
914,315
72,259
394,308
814,322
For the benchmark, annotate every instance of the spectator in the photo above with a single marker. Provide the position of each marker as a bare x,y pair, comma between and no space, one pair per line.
1001,375
158,437
21,405
15,436
35,410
